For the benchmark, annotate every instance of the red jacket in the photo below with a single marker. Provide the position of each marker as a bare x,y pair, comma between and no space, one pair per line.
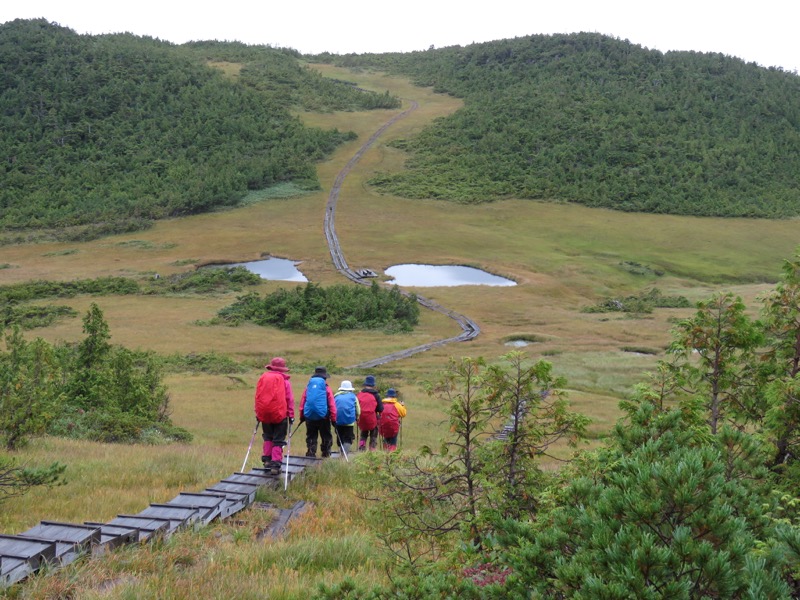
274,398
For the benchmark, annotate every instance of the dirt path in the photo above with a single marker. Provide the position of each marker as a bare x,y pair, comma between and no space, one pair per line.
469,329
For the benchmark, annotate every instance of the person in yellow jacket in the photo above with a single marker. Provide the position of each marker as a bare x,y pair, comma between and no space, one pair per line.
389,425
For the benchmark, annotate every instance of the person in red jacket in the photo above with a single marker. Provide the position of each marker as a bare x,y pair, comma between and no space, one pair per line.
274,406
393,412
371,407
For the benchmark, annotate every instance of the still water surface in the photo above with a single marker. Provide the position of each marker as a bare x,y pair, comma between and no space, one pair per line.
274,269
443,275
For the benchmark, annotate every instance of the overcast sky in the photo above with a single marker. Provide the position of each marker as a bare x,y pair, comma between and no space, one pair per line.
764,32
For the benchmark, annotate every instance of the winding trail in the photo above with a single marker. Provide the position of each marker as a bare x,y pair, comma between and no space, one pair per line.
469,329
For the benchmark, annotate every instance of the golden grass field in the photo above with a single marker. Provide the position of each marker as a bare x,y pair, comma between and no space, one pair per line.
563,257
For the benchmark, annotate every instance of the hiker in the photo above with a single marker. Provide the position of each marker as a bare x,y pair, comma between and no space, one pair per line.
274,406
347,413
393,412
318,410
371,408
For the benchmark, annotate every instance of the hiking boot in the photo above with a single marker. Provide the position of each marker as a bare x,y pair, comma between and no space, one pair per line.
275,467
362,445
311,454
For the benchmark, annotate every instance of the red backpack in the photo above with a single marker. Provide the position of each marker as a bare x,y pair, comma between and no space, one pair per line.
368,420
271,398
390,420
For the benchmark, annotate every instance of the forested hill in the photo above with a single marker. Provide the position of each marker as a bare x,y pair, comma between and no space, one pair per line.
118,130
593,119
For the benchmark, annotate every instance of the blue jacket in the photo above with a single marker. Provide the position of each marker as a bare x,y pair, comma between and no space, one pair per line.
347,408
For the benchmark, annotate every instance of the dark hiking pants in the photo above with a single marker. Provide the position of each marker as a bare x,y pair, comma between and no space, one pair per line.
321,428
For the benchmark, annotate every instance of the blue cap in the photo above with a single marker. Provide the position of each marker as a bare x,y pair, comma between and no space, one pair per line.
370,380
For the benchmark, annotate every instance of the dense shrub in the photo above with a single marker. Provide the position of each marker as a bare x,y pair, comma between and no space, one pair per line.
30,317
203,281
324,310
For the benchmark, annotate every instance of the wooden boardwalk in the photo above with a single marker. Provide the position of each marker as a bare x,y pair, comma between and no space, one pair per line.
55,544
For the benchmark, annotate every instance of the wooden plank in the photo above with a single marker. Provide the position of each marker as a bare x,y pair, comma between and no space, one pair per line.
147,527
113,536
207,503
13,570
66,532
19,557
71,539
178,516
251,477
18,547
235,500
231,487
304,461
278,527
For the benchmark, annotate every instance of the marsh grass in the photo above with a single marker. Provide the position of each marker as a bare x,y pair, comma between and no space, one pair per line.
329,541
562,257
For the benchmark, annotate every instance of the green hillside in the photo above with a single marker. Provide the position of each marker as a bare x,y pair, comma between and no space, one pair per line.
120,129
600,121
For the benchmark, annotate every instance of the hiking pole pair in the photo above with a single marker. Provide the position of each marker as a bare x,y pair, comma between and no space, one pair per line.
252,439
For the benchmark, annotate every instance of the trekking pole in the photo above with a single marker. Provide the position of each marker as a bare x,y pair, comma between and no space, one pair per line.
295,429
341,445
246,456
288,451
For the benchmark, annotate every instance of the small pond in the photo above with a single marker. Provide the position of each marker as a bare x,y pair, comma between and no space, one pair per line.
274,269
443,275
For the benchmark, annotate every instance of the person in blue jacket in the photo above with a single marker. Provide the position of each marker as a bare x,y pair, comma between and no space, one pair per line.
347,412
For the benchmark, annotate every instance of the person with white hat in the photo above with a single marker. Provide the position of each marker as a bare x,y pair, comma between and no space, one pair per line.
347,412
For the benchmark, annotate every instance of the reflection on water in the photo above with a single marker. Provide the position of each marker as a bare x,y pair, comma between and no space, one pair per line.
274,269
517,343
443,275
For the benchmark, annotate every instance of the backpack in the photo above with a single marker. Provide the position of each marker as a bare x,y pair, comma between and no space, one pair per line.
390,421
368,420
271,398
345,408
316,406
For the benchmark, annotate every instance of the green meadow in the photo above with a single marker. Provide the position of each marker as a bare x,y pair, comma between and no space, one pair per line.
563,257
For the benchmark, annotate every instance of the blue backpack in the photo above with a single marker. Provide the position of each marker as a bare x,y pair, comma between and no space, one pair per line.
345,408
316,406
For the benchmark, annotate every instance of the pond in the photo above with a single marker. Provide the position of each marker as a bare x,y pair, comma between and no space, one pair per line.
274,269
443,275
517,343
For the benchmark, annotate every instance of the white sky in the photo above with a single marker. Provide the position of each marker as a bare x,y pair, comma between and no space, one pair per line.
765,32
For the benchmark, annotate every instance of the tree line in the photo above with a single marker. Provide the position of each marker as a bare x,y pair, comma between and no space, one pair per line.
125,129
596,120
